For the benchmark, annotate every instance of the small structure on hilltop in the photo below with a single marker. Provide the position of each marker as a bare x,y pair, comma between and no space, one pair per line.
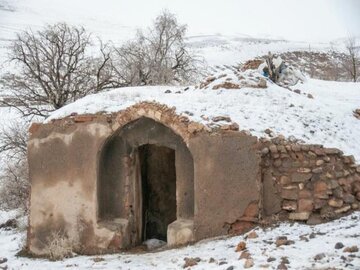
110,181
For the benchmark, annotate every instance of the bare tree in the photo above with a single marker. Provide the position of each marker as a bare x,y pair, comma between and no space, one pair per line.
157,56
54,69
352,63
132,62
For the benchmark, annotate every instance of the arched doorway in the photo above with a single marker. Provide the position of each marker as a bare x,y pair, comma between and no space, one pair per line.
146,180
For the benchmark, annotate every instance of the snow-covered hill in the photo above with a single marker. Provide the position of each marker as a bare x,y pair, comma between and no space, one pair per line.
231,50
105,22
322,113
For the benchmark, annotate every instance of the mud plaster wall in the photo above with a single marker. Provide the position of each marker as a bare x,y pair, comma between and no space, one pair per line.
308,182
62,168
63,158
227,174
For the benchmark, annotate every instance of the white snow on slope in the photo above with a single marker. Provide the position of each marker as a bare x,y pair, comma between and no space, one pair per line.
318,239
232,50
103,21
327,119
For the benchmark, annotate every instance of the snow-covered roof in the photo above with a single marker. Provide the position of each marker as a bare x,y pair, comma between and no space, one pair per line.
321,114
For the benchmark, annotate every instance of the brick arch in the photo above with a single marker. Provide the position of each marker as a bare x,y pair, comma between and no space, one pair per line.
160,113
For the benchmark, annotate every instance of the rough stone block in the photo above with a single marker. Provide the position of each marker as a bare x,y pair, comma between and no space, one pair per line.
343,209
332,184
289,205
300,177
304,170
349,198
319,203
285,180
332,151
356,187
180,232
273,149
296,147
338,193
335,202
320,190
289,194
319,151
121,238
319,162
317,170
314,219
299,216
306,205
305,194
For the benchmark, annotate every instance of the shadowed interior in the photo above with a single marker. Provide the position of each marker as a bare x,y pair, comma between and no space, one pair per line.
158,176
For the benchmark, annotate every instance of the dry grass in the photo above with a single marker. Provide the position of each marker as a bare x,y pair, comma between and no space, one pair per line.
59,246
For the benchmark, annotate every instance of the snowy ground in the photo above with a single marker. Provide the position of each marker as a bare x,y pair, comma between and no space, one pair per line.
309,242
326,119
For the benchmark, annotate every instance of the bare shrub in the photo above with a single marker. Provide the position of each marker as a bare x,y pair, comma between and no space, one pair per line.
352,62
15,188
59,246
14,182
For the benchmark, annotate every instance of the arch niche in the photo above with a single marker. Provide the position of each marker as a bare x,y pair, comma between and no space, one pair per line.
146,181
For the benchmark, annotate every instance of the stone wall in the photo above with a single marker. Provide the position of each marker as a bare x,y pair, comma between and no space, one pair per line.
307,182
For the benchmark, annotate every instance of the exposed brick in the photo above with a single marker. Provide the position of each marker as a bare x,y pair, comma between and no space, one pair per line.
83,118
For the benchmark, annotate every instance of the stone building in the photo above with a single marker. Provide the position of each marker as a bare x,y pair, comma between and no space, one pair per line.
109,182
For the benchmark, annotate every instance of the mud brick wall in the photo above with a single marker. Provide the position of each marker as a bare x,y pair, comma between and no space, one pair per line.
308,182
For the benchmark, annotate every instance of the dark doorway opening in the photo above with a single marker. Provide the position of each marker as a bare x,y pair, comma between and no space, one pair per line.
158,180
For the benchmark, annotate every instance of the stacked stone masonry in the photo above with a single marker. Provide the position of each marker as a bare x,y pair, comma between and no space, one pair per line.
311,183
